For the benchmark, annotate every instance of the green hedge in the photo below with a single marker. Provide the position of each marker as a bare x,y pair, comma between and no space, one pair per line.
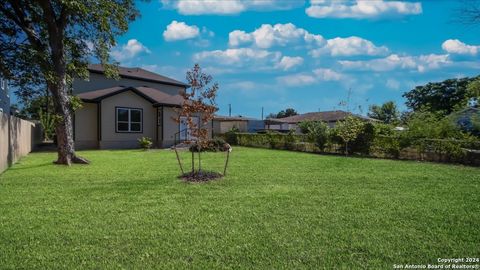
378,146
268,140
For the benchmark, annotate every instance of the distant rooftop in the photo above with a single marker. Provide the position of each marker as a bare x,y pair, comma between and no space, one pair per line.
139,74
232,118
327,116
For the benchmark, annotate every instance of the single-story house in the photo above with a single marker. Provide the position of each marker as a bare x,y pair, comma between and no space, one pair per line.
329,117
116,113
223,124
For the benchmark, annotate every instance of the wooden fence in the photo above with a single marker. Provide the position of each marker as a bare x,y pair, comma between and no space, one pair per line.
16,139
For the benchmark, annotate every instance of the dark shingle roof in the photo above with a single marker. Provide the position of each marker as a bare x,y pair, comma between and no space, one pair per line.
327,116
153,95
231,118
139,74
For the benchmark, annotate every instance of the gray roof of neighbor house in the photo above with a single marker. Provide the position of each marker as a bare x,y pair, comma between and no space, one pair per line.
139,74
232,118
155,96
327,116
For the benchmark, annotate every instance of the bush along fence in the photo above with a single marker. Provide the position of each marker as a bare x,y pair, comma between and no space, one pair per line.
392,147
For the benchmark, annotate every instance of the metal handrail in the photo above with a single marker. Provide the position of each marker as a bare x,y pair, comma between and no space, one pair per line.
176,142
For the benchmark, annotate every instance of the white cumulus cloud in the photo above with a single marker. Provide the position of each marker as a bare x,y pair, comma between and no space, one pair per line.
361,9
420,63
287,62
297,79
326,74
238,57
180,31
129,50
198,7
248,59
455,46
316,76
226,7
269,35
348,47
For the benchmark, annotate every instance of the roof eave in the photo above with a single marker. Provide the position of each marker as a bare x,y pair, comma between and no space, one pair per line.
160,104
142,79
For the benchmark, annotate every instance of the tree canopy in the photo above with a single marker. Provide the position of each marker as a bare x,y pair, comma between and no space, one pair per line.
283,113
444,97
387,112
50,42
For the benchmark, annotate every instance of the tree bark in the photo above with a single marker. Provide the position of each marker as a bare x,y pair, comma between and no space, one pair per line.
199,158
58,88
64,127
193,161
178,158
226,163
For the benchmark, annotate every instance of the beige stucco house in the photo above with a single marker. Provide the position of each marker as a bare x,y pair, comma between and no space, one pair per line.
116,113
223,124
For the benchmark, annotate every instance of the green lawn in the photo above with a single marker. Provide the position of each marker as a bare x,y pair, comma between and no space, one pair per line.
276,209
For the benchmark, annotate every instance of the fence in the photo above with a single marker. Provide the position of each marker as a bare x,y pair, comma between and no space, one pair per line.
16,139
450,151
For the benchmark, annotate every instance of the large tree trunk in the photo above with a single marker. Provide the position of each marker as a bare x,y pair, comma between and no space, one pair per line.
64,127
58,88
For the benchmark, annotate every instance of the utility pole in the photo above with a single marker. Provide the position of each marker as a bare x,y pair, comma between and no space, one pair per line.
230,110
262,113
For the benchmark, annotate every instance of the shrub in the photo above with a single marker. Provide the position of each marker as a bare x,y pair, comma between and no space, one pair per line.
145,143
290,140
214,145
348,130
271,139
47,121
364,140
317,133
231,136
387,146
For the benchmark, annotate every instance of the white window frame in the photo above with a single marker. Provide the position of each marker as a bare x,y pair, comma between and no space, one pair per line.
129,122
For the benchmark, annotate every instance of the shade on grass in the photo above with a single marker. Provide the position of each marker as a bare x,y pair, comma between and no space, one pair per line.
275,209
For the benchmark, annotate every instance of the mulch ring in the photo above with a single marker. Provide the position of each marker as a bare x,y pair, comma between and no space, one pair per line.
201,176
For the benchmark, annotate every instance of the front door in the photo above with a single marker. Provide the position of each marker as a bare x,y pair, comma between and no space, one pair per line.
185,131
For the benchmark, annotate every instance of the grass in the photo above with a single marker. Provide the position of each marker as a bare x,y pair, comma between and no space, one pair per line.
275,209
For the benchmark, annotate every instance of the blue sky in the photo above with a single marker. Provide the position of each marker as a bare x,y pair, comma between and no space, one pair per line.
303,54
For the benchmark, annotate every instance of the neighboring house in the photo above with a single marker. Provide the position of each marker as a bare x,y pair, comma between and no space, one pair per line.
467,118
256,125
4,97
116,113
223,124
291,122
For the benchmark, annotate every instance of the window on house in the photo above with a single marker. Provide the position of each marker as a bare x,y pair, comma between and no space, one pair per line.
129,120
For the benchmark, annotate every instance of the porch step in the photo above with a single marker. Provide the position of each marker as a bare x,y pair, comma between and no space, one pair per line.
181,146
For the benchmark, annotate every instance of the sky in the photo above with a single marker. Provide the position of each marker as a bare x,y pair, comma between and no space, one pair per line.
308,55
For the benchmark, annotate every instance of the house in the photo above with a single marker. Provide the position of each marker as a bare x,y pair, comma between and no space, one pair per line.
329,117
4,97
116,113
223,124
468,119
